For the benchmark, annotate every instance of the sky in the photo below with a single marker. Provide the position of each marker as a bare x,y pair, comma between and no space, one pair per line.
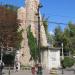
60,11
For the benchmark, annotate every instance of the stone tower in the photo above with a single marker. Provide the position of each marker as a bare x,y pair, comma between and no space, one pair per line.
31,10
27,16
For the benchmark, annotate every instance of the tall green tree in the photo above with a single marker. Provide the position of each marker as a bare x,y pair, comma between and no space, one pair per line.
70,34
58,36
67,37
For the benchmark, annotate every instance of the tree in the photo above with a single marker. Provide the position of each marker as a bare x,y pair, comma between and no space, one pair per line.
9,25
67,37
10,7
70,34
58,36
10,37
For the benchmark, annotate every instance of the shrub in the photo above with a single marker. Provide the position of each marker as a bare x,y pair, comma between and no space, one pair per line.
67,62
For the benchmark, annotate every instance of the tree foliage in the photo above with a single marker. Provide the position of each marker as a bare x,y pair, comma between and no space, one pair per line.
10,7
9,26
58,36
67,37
32,44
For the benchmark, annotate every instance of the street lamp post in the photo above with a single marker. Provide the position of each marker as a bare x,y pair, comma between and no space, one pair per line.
62,58
62,52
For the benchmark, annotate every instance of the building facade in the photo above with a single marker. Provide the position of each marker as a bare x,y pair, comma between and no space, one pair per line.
51,58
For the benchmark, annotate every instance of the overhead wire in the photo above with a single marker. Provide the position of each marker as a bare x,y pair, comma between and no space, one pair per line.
63,16
53,22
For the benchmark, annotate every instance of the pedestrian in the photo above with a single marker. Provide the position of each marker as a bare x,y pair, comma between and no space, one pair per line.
33,70
36,68
39,72
1,67
16,67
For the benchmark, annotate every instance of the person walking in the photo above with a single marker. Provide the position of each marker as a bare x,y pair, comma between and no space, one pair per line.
1,67
36,68
39,72
16,67
33,70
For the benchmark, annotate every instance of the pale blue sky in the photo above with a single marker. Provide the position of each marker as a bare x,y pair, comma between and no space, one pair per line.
54,10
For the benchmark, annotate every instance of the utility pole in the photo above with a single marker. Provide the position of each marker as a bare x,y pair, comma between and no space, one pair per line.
39,36
39,44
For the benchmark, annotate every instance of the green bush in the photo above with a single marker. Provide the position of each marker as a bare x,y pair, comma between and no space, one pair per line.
67,62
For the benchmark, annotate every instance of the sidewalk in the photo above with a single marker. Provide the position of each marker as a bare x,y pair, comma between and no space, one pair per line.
45,72
22,72
66,72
